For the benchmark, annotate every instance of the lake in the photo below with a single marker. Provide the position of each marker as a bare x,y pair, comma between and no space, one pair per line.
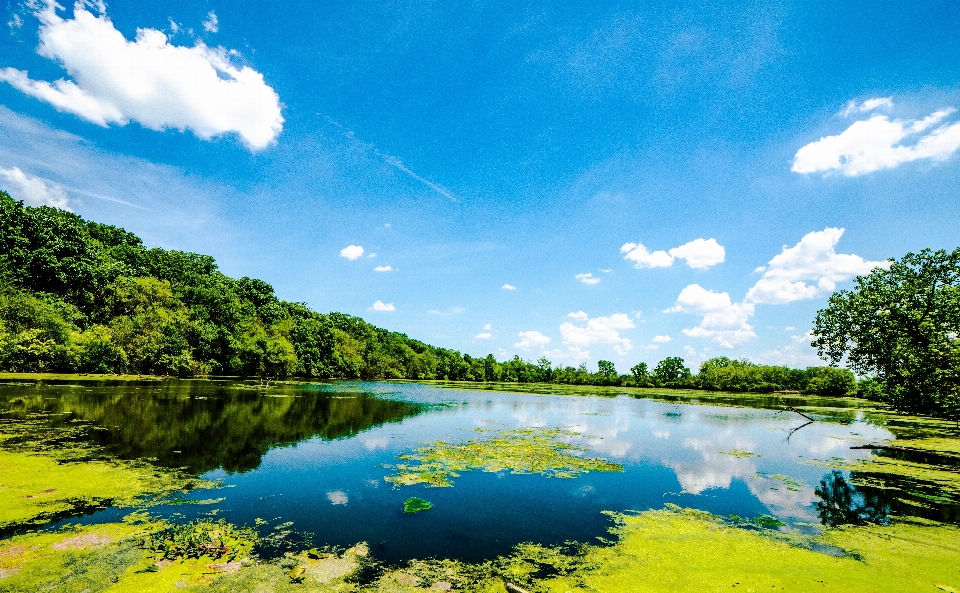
307,462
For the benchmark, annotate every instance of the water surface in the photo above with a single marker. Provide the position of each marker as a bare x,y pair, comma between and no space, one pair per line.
312,458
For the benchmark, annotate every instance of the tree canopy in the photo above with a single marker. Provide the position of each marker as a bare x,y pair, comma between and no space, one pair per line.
900,326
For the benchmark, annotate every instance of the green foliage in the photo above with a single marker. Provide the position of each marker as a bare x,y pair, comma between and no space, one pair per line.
200,538
900,326
416,505
671,372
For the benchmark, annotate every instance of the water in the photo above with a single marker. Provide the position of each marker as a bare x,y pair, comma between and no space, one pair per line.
314,455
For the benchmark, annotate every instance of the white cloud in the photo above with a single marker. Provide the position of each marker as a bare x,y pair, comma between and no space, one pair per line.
605,270
483,336
587,278
372,255
212,24
531,339
16,22
662,339
853,107
508,287
700,254
383,269
159,85
488,327
814,260
381,306
579,316
643,258
570,354
723,321
878,143
599,330
352,252
447,313
34,191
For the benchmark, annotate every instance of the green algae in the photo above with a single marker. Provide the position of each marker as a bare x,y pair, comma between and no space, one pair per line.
416,505
520,451
739,453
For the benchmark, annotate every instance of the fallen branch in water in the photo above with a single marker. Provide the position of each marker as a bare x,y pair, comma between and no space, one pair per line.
792,409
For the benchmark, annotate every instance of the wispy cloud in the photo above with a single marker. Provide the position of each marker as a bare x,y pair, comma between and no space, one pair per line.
384,269
34,191
483,336
212,24
508,287
587,278
391,160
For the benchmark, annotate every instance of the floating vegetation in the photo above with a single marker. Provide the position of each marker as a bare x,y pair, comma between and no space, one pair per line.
739,453
521,451
216,540
416,505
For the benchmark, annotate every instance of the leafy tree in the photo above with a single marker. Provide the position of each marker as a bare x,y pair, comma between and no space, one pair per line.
900,325
671,371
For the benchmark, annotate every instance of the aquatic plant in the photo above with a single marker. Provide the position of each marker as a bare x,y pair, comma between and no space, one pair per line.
416,505
216,540
520,451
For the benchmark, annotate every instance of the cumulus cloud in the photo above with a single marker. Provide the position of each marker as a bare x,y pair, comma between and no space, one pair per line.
700,254
531,339
148,80
352,252
381,306
662,339
34,191
579,316
587,278
483,336
724,322
488,327
809,269
212,24
508,287
880,143
599,330
643,258
384,269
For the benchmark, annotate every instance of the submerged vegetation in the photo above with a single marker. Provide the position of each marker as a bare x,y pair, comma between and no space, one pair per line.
521,451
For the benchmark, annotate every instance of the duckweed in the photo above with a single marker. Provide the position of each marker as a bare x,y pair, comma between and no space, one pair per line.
521,451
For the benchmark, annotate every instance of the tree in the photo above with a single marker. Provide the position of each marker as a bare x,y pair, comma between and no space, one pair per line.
640,372
671,371
900,326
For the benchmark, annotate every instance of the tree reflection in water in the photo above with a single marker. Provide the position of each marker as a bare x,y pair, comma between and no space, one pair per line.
202,425
841,503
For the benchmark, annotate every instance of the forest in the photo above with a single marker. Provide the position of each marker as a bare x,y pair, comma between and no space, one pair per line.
82,297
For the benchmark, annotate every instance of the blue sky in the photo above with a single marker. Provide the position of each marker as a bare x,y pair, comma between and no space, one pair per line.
575,180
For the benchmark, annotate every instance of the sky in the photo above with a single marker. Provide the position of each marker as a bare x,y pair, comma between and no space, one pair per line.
576,180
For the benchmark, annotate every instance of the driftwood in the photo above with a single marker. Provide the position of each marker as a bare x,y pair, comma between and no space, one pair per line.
511,588
792,409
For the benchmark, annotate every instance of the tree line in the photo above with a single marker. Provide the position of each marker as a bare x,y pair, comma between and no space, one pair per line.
80,296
